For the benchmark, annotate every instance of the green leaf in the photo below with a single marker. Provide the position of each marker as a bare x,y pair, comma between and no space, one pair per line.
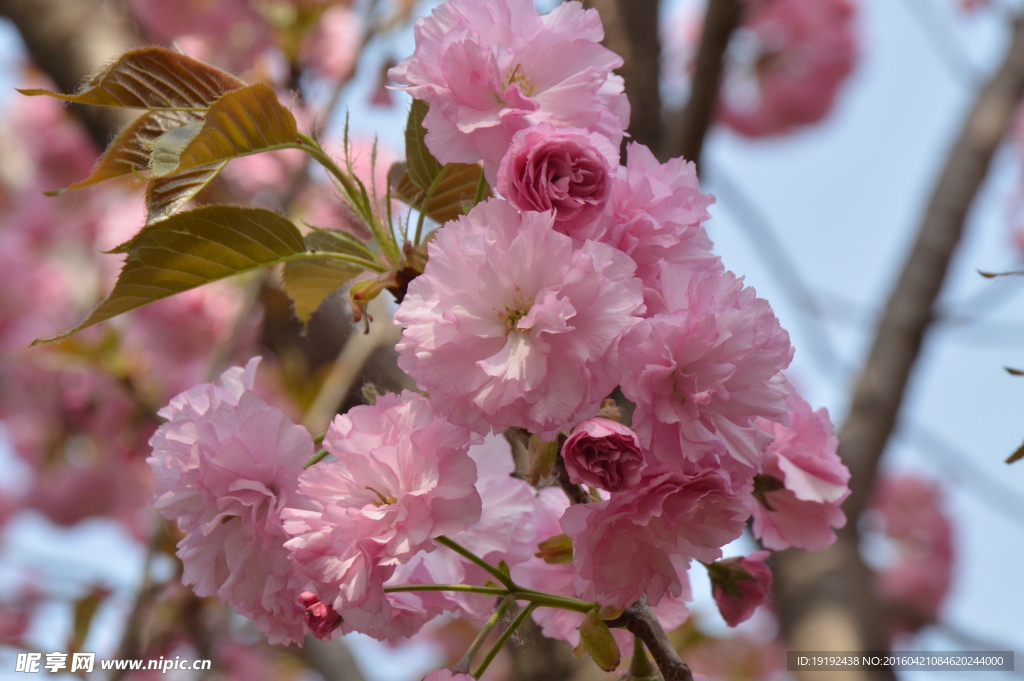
165,150
241,122
455,189
597,639
129,152
423,167
153,78
309,282
193,248
1017,455
165,195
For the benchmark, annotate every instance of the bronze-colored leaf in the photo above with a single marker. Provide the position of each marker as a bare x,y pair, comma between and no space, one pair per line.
241,122
165,150
128,153
166,195
152,78
309,282
194,248
455,189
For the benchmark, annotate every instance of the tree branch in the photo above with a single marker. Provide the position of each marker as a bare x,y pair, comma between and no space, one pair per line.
722,19
641,621
69,39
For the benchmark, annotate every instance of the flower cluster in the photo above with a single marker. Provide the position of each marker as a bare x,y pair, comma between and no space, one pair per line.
582,276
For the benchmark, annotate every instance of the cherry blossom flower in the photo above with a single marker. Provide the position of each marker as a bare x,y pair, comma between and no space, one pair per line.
559,579
504,532
636,542
790,58
740,586
603,454
332,48
402,476
655,215
702,373
172,362
512,325
320,618
448,675
916,585
225,465
802,482
566,170
489,70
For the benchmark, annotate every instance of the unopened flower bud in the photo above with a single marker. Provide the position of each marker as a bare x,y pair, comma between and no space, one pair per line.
604,454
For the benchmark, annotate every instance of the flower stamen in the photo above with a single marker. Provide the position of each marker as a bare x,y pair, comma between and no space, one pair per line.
517,76
384,501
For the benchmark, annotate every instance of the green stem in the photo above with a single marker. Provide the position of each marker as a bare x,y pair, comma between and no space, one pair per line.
538,598
319,439
472,557
503,639
386,241
467,588
547,600
317,458
423,205
478,642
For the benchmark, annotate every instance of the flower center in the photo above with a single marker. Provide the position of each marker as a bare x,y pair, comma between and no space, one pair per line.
511,314
517,76
384,501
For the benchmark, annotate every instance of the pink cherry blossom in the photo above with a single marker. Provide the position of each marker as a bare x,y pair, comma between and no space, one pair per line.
740,586
172,362
655,215
504,532
402,476
803,511
636,542
566,170
798,54
321,620
702,373
604,454
916,585
448,675
231,33
512,325
225,465
489,70
559,579
332,47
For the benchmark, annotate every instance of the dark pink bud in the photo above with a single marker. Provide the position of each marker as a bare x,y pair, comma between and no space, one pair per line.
740,585
320,617
566,170
604,454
